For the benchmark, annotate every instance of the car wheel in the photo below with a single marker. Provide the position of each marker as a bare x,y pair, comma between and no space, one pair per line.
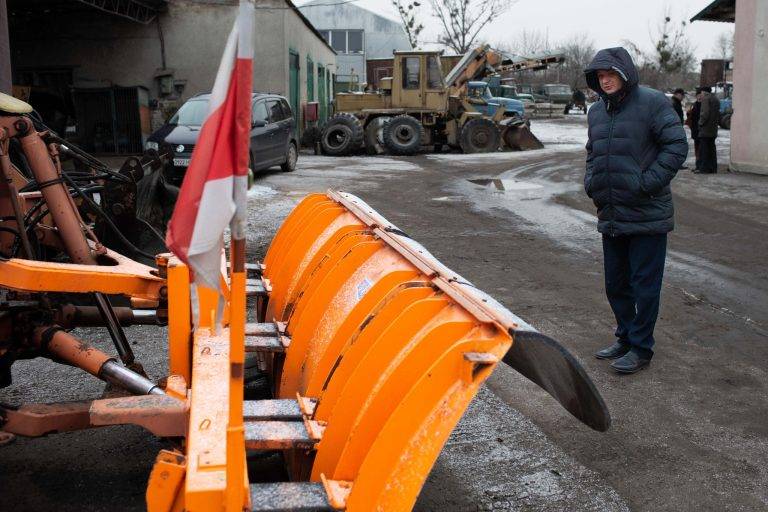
291,157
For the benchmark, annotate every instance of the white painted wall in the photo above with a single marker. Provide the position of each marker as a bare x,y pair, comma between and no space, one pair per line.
749,126
381,35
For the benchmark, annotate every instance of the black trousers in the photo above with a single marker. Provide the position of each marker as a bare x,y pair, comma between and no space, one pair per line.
634,268
707,155
697,152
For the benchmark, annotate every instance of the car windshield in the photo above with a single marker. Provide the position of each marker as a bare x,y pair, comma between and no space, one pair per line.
508,92
192,113
558,89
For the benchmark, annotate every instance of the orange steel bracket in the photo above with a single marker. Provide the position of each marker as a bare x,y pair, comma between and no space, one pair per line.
162,415
127,277
206,481
165,483
179,320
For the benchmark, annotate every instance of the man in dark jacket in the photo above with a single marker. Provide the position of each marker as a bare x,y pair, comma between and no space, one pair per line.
636,145
708,121
677,103
693,123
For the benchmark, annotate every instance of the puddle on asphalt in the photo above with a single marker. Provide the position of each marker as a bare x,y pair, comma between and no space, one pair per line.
505,185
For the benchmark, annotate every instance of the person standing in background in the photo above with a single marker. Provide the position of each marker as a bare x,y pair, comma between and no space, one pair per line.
677,103
693,123
708,121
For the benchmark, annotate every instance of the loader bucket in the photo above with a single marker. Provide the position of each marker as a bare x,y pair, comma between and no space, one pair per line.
518,137
375,350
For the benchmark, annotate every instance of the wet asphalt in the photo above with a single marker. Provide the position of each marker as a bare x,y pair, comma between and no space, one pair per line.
688,433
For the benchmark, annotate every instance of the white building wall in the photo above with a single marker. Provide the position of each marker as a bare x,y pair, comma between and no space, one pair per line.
381,35
749,142
305,44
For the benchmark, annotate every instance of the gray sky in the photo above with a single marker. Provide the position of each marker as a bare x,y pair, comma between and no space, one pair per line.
608,22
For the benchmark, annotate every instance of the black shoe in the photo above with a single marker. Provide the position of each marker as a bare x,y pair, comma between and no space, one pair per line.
630,363
618,349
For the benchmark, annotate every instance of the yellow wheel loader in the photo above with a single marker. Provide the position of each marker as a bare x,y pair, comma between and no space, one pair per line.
368,348
418,107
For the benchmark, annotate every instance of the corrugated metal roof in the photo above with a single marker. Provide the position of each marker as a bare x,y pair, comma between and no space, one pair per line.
719,10
142,11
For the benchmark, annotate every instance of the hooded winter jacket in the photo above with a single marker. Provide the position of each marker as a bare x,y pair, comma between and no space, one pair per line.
635,146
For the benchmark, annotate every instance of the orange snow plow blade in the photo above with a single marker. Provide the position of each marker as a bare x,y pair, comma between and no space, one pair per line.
374,350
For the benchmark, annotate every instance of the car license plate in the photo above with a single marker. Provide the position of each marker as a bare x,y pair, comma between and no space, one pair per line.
181,162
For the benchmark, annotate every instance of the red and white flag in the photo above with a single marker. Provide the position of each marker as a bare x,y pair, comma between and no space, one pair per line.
214,190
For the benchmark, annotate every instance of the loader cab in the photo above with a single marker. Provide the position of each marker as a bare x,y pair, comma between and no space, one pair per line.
418,81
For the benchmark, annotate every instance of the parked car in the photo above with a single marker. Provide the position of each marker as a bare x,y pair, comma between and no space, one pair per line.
556,93
510,91
273,136
530,91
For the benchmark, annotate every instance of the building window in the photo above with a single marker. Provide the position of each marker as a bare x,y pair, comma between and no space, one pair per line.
339,40
354,41
412,70
310,79
344,41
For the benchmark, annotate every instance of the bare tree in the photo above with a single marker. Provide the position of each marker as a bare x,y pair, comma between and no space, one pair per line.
673,52
408,15
723,48
527,42
578,51
671,61
462,20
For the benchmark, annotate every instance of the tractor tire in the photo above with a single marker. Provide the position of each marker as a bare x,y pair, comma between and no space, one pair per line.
342,135
403,135
374,135
479,135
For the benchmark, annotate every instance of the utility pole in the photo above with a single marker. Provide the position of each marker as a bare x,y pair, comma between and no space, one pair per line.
5,50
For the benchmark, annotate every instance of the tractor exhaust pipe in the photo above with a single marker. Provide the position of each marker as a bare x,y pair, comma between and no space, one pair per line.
62,346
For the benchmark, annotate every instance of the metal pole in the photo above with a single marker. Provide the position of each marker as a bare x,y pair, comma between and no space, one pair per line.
5,166
5,51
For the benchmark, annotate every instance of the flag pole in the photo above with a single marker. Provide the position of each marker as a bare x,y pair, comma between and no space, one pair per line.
237,478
